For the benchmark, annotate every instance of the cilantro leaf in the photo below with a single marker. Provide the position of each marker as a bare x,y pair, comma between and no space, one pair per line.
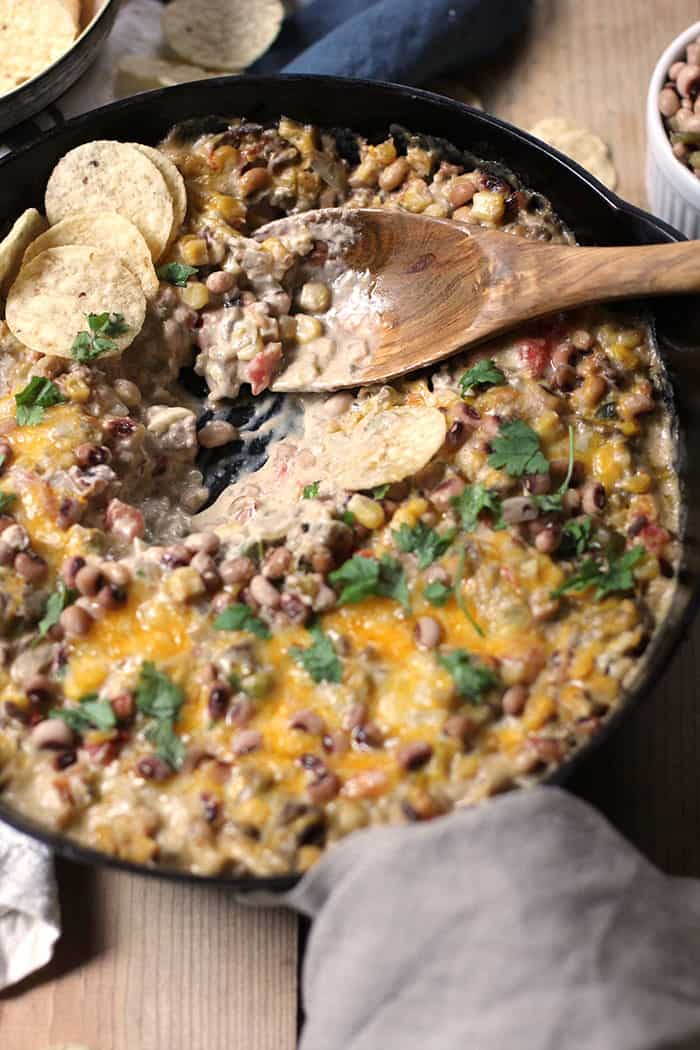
437,593
516,449
238,617
348,517
6,501
575,537
158,697
472,501
617,577
471,680
103,329
361,577
92,713
176,273
55,604
32,402
484,373
311,491
381,490
551,502
423,541
319,660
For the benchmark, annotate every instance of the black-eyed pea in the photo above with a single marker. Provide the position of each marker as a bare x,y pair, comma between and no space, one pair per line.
669,102
16,538
393,175
127,392
277,563
593,496
264,593
514,699
207,542
71,567
31,567
52,734
427,632
253,181
216,433
462,191
89,580
675,70
414,755
688,79
220,281
76,621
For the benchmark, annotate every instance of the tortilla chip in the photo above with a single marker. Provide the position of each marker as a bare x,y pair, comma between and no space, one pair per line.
50,301
29,226
581,145
222,34
136,73
173,180
113,176
33,34
105,230
385,446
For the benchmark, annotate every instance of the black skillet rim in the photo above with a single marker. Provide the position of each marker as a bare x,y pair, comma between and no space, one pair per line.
669,634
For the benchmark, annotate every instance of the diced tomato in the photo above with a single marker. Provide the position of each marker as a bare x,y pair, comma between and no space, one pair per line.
535,355
654,538
263,367
124,520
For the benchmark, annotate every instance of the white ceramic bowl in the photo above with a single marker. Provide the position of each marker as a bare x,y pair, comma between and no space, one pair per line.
673,191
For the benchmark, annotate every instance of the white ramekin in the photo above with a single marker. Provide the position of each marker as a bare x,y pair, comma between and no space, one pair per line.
673,191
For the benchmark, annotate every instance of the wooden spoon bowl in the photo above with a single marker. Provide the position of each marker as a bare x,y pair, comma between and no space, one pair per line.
438,286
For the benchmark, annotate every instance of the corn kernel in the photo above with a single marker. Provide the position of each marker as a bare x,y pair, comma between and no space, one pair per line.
638,483
548,424
195,295
416,197
315,297
367,511
184,584
303,136
437,210
409,513
253,811
538,711
630,337
384,153
420,160
647,569
224,158
308,328
307,857
194,251
624,356
582,662
488,206
366,173
610,462
76,389
629,428
574,700
603,688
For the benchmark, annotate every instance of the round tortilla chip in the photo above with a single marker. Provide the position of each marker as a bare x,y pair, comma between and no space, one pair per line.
581,145
136,73
222,34
29,225
114,176
173,180
33,34
50,301
100,229
384,447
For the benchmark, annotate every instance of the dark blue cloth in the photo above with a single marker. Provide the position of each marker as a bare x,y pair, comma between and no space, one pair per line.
407,41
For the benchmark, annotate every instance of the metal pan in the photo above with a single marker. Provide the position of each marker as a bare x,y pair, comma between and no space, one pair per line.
43,89
594,214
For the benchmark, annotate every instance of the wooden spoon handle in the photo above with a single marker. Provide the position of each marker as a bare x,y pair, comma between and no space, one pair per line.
548,277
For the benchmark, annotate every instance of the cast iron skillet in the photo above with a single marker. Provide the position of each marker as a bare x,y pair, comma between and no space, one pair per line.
592,212
47,86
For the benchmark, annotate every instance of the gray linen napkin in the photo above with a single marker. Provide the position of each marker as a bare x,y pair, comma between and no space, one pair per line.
527,923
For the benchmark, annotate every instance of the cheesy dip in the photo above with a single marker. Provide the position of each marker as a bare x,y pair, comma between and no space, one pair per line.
402,599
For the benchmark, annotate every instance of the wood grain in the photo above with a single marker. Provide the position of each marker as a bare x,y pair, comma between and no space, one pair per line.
149,966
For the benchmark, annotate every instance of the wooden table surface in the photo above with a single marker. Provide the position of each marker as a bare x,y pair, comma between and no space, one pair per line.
145,965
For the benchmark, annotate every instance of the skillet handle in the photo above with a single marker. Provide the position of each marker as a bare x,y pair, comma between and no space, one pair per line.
31,130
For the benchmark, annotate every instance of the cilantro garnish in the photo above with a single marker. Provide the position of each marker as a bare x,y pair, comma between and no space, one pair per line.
516,449
32,402
160,699
423,541
348,517
6,501
311,491
472,501
437,593
575,537
3,457
471,679
55,604
551,502
238,617
176,273
103,329
361,577
460,597
92,713
319,660
484,373
381,490
616,577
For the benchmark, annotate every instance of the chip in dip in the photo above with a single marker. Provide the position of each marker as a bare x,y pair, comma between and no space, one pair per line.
29,225
581,145
116,176
100,229
56,292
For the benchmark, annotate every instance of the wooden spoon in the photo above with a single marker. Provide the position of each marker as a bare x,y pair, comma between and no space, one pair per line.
435,286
